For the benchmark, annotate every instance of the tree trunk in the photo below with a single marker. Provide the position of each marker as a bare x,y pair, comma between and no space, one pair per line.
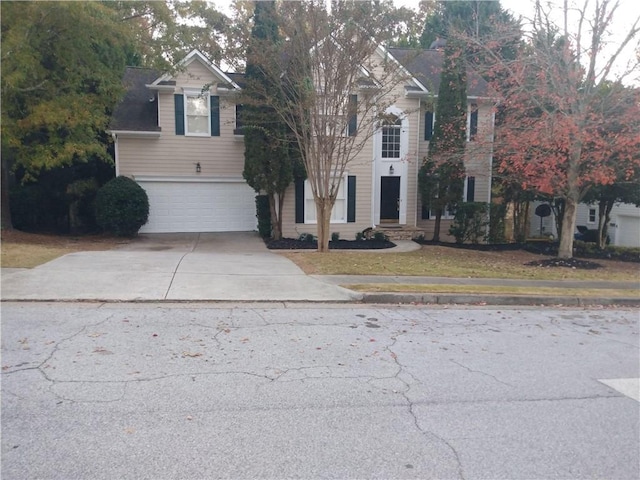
276,227
520,215
323,213
604,217
565,250
436,226
5,208
558,208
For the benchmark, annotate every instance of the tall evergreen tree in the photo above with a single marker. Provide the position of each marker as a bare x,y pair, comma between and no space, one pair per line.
268,157
441,177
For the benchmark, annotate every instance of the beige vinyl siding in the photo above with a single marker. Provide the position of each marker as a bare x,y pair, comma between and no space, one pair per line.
176,155
478,157
361,168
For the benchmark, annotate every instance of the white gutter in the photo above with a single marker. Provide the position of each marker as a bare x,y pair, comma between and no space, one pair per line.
161,88
135,133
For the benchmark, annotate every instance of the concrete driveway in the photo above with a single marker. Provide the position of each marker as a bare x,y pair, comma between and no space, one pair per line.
197,266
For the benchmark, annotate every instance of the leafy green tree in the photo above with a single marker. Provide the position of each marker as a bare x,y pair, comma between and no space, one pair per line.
441,177
62,64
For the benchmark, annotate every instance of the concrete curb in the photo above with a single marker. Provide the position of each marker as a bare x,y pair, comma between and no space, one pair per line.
475,299
391,299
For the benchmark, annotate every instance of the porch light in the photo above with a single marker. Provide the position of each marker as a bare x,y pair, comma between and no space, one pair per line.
391,170
198,167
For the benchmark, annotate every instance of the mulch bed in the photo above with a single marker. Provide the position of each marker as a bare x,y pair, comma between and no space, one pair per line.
293,244
574,263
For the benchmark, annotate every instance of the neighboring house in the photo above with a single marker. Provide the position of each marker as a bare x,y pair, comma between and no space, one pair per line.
177,136
623,230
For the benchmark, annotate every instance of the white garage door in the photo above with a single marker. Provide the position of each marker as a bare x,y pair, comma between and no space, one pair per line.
628,234
199,206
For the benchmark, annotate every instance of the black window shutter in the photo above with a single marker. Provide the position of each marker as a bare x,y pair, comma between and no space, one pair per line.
351,199
353,115
179,103
215,116
428,125
299,200
471,189
239,124
473,122
425,212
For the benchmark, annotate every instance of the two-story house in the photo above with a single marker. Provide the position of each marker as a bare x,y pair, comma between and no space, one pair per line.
177,135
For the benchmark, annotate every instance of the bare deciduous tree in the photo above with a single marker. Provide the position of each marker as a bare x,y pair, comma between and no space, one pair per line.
335,83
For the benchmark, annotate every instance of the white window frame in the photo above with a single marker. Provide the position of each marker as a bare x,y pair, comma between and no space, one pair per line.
397,134
446,215
310,206
595,215
206,96
329,119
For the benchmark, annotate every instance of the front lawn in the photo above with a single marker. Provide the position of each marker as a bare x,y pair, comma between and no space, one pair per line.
442,261
28,250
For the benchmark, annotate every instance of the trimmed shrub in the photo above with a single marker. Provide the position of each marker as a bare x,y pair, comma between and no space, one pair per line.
380,237
263,214
470,222
307,237
335,236
122,207
497,214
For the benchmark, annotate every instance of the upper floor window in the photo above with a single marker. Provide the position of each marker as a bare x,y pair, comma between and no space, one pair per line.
197,114
592,215
391,139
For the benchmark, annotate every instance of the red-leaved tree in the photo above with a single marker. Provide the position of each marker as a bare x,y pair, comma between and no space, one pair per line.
566,126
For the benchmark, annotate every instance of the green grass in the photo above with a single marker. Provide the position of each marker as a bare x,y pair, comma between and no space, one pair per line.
493,290
441,261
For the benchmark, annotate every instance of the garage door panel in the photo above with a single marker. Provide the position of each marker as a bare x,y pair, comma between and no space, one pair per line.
199,207
628,234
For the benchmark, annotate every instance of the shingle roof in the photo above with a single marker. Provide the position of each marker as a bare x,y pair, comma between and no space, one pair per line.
135,112
426,65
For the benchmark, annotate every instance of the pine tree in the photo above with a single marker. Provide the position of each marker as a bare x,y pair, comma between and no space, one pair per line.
269,157
441,177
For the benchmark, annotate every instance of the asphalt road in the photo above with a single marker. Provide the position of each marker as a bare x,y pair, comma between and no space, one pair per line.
196,391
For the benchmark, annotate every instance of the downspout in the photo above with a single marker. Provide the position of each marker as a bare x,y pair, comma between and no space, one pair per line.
373,178
115,152
493,137
418,163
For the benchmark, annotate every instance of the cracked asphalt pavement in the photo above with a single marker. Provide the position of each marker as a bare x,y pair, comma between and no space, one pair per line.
190,391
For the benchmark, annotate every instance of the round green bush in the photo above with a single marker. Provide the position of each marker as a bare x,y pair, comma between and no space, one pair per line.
122,207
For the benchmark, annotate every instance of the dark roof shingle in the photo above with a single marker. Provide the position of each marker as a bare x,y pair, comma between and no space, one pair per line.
426,65
135,112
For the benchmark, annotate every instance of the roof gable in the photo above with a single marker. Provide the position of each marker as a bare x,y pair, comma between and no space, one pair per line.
196,55
425,67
